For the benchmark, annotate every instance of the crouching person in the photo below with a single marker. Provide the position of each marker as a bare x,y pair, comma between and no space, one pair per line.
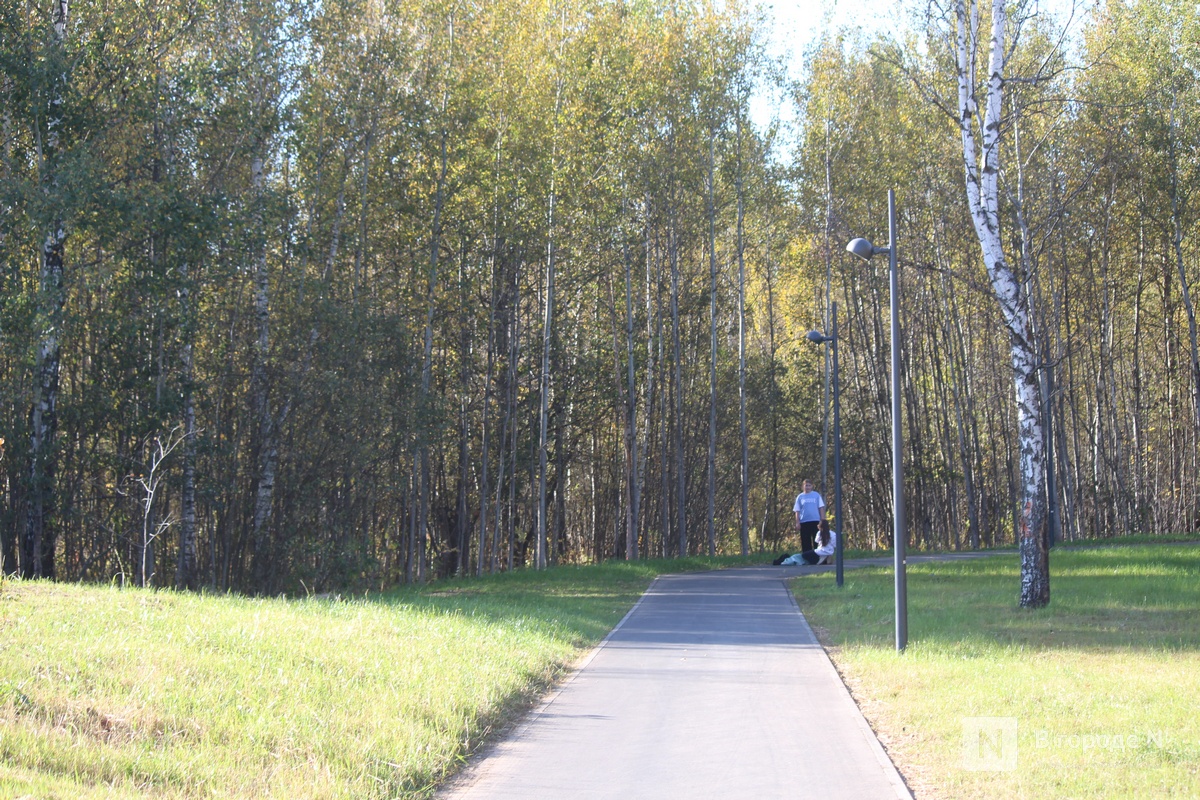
826,547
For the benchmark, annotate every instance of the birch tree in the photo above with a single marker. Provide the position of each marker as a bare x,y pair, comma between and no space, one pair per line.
711,464
743,432
547,337
981,139
37,552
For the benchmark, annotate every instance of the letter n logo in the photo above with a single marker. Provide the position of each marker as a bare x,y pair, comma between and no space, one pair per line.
989,744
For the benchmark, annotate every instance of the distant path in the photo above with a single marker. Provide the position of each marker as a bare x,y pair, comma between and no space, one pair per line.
713,686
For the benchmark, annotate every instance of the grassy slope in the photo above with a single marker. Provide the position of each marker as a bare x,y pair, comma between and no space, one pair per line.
129,693
1102,684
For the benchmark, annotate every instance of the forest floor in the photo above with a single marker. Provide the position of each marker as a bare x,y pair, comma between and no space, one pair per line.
1092,696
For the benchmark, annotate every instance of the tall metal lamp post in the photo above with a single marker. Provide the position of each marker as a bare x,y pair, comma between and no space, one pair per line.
816,337
864,250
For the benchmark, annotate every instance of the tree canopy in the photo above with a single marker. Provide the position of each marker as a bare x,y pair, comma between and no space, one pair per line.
343,294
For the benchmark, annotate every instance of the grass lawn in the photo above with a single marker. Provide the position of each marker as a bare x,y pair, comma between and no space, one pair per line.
124,693
1094,696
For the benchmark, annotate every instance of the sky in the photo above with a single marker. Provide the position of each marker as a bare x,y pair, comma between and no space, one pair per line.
797,24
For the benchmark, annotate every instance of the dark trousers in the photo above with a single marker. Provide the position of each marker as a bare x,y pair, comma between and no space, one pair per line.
808,534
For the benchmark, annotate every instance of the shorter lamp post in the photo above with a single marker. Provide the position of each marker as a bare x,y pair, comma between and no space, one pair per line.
864,250
816,337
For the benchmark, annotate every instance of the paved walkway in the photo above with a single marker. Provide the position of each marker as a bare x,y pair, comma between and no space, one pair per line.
713,686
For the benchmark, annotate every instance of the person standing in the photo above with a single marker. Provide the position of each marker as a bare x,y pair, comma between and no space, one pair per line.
810,512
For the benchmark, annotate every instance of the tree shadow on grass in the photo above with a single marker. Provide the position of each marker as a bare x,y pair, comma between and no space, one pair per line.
1106,599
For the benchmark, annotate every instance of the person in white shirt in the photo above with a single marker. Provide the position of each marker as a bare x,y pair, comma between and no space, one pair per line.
826,547
810,512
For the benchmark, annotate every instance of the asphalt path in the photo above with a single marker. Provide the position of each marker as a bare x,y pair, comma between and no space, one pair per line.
713,686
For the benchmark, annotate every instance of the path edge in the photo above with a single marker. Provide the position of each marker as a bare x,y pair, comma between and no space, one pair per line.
472,771
885,761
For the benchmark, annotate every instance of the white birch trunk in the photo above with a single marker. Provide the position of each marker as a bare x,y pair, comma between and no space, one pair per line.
677,388
423,477
186,567
38,545
712,374
466,353
268,449
485,444
981,162
544,390
771,515
509,423
633,479
547,342
513,421
742,427
37,555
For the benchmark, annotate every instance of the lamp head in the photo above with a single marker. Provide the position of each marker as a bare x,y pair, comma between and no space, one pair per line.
862,248
816,337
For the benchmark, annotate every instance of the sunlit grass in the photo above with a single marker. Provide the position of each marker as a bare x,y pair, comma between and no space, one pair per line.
118,693
128,693
1101,686
176,695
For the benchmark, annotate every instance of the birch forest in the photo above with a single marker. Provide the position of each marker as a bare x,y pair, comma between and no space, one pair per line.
304,296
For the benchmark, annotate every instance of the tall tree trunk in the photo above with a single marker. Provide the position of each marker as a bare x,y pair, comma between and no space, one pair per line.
38,544
773,505
548,337
678,465
627,399
983,201
656,382
37,552
562,413
633,479
828,248
268,444
423,475
186,569
509,422
743,432
544,391
712,373
462,530
485,443
664,410
964,413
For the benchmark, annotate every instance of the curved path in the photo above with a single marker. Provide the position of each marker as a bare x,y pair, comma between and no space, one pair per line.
713,686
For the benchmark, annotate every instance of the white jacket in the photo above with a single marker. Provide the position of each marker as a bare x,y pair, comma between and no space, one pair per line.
828,549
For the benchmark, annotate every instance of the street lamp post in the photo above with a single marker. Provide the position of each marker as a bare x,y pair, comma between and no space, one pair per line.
817,337
864,250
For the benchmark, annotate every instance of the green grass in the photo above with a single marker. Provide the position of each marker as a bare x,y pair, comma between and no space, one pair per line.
1101,686
121,693
136,694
